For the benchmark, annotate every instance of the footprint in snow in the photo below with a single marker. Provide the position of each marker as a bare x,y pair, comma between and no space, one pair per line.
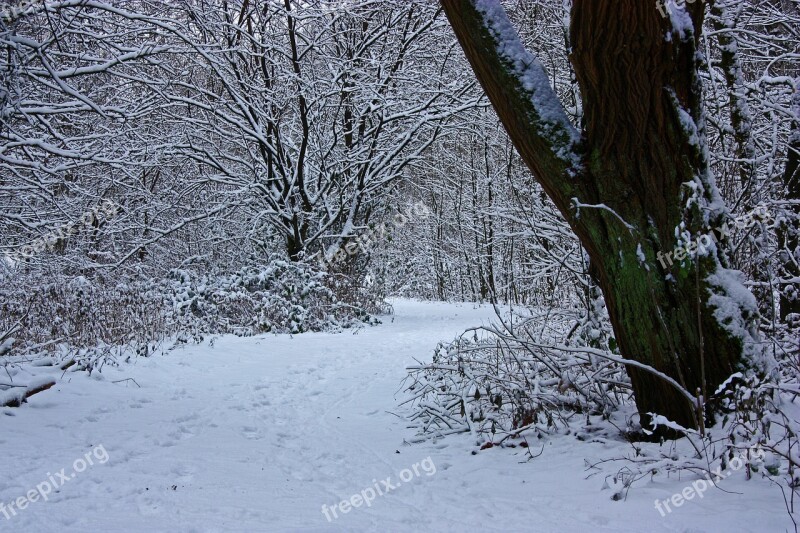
147,504
251,433
184,473
182,433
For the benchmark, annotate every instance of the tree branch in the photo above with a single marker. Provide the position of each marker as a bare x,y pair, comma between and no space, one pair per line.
520,91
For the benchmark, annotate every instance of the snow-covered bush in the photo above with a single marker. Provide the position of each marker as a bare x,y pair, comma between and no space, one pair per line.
281,297
761,413
97,320
523,376
93,320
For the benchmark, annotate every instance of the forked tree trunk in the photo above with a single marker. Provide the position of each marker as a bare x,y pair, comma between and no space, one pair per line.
635,173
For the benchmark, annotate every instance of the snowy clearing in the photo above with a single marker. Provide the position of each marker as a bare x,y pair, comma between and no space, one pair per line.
258,433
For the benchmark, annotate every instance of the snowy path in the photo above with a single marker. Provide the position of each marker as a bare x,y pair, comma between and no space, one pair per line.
257,434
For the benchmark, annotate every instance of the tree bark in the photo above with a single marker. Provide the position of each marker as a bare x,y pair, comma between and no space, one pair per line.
624,182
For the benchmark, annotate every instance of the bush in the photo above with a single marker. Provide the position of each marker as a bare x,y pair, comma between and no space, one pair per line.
518,377
98,319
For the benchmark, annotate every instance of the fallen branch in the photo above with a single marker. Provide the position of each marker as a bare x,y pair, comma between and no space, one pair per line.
18,398
127,379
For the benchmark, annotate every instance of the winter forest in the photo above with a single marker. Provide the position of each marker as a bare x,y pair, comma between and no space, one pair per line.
399,265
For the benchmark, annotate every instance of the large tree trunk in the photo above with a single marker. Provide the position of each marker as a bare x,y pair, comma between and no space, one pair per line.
636,172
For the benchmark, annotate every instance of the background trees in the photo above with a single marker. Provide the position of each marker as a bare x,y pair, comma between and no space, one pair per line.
282,123
315,110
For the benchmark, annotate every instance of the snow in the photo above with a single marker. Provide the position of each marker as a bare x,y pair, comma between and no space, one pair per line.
39,382
658,420
530,73
724,385
12,396
729,298
258,433
5,346
578,205
681,20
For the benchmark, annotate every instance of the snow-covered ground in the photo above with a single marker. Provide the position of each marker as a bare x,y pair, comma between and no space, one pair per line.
258,434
